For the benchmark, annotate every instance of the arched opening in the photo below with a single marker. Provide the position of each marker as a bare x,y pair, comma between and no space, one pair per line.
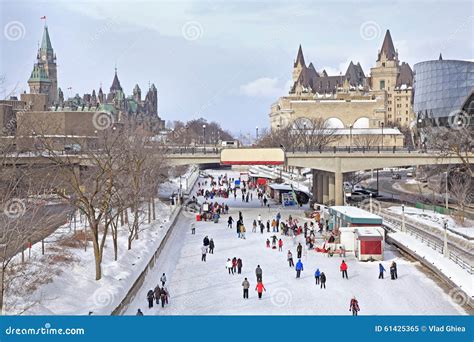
334,123
361,123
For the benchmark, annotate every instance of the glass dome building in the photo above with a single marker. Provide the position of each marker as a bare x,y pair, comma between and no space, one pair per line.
442,88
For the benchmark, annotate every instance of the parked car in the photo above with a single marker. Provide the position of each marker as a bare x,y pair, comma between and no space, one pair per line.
396,176
410,174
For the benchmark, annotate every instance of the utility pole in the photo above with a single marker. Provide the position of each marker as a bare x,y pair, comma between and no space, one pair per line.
403,218
445,246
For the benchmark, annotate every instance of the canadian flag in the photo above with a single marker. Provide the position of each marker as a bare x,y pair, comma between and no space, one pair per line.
43,17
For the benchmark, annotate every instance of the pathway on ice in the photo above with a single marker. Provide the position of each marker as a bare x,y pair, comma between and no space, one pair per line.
206,288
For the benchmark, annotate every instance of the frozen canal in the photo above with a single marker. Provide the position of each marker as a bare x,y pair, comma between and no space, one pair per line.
206,288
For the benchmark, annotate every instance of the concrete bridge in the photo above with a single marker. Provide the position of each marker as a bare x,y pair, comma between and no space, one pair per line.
328,166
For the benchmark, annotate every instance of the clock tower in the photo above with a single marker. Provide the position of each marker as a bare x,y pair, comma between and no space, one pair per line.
44,79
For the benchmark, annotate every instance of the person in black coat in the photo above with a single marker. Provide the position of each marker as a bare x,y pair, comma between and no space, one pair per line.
393,270
150,296
299,250
239,266
323,280
211,246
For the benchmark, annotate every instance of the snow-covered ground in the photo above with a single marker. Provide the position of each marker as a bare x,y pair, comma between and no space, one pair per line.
456,274
435,220
206,288
62,282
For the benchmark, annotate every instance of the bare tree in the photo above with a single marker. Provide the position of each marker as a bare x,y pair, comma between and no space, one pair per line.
366,140
461,189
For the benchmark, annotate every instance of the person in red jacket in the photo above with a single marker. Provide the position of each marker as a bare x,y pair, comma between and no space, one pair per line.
280,245
260,288
344,269
354,306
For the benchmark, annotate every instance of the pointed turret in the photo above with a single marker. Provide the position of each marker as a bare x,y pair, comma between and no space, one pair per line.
388,50
46,42
115,84
440,57
299,58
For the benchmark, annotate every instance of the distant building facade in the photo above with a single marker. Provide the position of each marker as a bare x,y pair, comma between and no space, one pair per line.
349,100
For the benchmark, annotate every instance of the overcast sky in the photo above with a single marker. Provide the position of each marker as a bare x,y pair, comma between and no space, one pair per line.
222,60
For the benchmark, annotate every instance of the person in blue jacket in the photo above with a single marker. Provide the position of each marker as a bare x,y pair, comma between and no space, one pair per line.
317,274
298,268
381,271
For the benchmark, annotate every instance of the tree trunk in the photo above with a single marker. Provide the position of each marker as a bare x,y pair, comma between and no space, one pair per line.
126,215
153,207
149,211
121,218
2,289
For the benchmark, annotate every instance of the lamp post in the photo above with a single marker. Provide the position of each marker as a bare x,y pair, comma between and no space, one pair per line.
204,137
186,137
447,191
304,137
382,134
403,218
445,245
256,132
370,196
350,138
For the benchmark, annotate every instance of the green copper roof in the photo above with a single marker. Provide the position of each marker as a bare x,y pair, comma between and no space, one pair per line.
39,74
46,42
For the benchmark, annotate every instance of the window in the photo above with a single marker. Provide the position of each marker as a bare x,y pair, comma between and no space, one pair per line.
406,112
383,64
382,84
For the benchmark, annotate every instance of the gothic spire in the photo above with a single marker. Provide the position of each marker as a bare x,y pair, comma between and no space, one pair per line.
300,58
387,47
46,41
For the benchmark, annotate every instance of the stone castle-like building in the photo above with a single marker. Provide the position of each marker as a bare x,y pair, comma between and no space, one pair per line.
350,100
44,80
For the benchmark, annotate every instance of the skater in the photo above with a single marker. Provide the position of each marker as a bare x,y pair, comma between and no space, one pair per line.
246,286
323,280
234,265
205,241
381,271
150,296
343,269
211,246
299,250
238,225
262,228
156,292
354,306
268,226
230,220
139,312
393,270
193,228
290,259
280,245
254,226
239,266
268,243
259,219
164,294
163,280
203,253
259,273
228,265
317,275
242,231
265,201
260,288
299,268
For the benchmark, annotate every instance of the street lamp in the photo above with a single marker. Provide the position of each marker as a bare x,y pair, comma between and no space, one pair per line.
403,218
350,138
204,136
186,137
445,245
382,134
256,135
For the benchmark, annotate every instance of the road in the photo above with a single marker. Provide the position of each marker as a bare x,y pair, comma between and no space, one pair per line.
34,225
